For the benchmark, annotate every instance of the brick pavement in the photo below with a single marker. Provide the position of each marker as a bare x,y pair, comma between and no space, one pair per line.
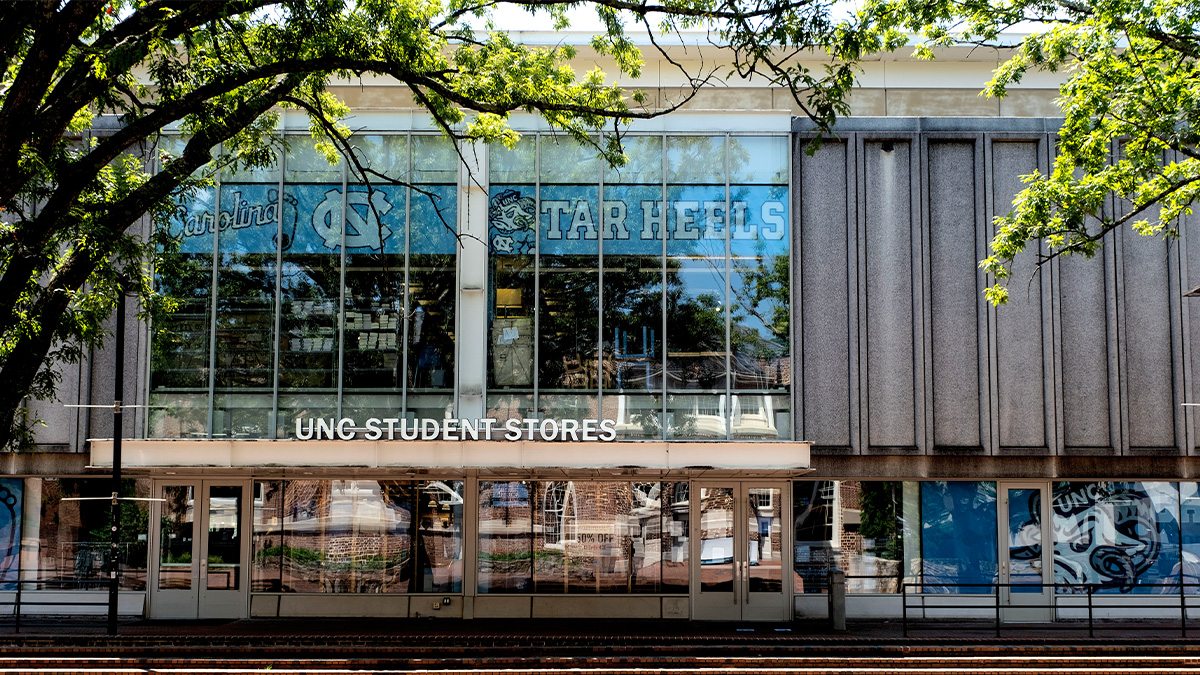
383,646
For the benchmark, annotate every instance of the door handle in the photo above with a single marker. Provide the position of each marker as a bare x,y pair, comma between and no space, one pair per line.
736,582
746,579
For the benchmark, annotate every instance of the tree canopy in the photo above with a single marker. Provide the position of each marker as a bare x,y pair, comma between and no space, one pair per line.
90,86
1127,152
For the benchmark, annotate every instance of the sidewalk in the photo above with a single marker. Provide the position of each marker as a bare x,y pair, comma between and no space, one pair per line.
572,634
585,647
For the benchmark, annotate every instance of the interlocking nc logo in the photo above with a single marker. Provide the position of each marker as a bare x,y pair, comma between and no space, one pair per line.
363,229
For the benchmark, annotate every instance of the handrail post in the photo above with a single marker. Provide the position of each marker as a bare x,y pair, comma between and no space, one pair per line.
997,596
17,608
1091,625
904,608
1182,612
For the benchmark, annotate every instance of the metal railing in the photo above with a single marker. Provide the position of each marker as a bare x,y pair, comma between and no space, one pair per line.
992,599
89,586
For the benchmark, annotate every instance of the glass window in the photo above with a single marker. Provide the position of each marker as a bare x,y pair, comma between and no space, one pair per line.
505,537
718,366
512,219
374,285
1122,536
583,537
358,536
760,290
813,507
439,544
518,165
958,536
430,314
676,535
1189,531
346,536
760,160
632,357
310,287
644,165
366,284
564,160
266,569
597,537
254,220
180,341
696,160
857,526
435,161
569,288
697,360
70,540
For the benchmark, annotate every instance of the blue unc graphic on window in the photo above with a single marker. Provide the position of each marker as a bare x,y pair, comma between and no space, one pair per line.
631,219
308,219
11,491
1122,537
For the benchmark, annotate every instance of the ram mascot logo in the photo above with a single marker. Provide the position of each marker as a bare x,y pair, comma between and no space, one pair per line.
510,223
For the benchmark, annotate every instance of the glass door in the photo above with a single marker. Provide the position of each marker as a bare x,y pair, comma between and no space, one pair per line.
1025,570
742,552
199,570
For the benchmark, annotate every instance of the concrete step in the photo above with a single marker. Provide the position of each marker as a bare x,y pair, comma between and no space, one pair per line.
609,666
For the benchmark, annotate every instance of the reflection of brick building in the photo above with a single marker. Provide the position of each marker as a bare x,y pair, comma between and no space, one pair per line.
358,536
581,536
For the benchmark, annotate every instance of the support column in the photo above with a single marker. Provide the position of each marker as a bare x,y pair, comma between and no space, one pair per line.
31,528
472,315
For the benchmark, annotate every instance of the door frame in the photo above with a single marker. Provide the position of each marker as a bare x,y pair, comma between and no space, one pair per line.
227,605
1025,607
740,604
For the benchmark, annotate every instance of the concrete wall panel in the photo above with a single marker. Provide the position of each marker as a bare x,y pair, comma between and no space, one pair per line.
1020,358
1084,351
954,294
1148,343
888,302
825,276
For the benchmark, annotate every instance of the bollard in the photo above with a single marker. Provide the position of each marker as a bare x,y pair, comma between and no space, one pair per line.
837,599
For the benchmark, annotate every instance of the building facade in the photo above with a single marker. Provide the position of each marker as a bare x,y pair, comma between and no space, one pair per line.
525,384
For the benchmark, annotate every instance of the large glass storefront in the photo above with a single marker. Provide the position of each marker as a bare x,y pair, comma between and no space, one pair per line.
1119,537
656,295
332,297
380,536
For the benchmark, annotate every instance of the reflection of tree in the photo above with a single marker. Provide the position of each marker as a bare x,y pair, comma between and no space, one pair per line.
880,503
568,321
179,354
245,320
761,319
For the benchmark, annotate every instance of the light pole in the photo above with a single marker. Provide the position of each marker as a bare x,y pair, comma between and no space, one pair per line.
114,562
118,407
